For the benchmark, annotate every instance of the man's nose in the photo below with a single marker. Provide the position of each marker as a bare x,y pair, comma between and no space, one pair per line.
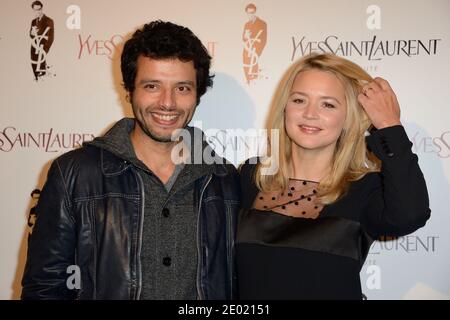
167,98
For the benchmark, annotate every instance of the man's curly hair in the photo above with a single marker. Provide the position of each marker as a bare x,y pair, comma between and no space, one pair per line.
166,40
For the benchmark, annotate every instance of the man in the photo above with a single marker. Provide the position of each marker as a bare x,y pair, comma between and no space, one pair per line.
255,38
137,224
42,36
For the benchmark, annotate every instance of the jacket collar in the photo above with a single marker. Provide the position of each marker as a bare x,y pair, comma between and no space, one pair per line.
117,153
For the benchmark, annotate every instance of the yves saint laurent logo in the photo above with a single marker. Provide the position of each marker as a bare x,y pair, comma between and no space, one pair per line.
42,33
254,38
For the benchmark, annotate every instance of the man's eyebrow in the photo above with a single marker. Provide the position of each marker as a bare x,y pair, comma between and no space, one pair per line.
188,82
144,81
185,82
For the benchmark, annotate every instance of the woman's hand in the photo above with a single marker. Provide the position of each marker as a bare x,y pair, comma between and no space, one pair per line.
380,103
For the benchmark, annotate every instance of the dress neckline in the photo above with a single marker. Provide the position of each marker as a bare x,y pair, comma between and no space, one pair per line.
304,180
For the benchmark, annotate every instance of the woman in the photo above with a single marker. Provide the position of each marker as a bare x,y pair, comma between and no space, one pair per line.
305,230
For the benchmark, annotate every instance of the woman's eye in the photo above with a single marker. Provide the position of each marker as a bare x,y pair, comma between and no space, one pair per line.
329,105
298,100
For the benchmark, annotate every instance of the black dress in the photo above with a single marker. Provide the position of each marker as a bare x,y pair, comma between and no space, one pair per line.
320,255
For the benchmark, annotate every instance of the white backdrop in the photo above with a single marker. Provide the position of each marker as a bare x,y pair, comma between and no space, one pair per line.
404,41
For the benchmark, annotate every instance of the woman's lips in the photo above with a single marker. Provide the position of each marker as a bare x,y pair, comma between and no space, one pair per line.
309,129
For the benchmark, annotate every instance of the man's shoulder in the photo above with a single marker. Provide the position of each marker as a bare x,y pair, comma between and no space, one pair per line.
249,165
47,18
225,178
231,169
83,156
224,170
260,22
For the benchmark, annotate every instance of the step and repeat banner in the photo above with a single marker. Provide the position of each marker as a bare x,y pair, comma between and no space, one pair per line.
61,86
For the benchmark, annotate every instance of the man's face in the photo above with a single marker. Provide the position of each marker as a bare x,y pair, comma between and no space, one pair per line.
37,11
251,13
165,96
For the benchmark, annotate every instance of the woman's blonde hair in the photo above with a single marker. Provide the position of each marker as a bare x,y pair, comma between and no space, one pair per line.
351,159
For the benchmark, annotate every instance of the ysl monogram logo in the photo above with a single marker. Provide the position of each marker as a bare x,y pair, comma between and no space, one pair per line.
41,55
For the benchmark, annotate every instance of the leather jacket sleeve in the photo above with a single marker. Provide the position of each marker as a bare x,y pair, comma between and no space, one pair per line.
51,247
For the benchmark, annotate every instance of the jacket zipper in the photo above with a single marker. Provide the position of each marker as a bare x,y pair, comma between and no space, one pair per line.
141,227
94,235
199,257
230,244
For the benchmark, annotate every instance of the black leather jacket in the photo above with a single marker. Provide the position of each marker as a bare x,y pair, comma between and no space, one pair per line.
90,214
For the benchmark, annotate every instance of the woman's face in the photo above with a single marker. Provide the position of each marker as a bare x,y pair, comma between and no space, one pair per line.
316,110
